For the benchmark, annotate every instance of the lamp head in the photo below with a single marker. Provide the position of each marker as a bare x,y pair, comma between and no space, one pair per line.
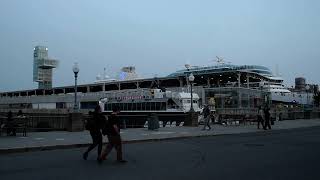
191,77
75,68
187,66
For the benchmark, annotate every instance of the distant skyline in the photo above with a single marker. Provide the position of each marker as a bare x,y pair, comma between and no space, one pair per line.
157,37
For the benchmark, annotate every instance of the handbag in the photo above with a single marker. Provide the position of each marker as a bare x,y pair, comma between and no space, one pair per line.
272,122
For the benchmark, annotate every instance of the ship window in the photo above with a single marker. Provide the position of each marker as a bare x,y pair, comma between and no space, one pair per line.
134,106
163,106
139,106
143,106
148,106
129,106
157,106
125,106
109,108
152,106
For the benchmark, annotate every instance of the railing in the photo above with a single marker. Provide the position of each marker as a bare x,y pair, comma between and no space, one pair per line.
138,121
48,122
43,121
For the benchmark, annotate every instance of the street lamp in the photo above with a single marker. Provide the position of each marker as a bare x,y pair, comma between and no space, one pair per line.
307,90
261,94
75,70
187,65
191,79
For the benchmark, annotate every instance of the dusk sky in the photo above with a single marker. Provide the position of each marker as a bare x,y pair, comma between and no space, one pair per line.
157,37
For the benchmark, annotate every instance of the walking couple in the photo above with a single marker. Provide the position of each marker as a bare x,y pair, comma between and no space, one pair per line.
99,126
264,118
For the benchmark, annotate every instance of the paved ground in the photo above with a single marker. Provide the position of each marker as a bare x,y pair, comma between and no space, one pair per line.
56,140
284,154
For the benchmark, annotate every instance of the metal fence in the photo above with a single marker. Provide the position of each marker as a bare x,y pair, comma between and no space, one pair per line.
48,122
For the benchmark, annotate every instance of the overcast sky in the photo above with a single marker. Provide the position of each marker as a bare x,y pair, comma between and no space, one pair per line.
157,37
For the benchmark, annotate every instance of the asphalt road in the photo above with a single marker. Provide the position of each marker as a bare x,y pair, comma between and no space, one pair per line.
286,154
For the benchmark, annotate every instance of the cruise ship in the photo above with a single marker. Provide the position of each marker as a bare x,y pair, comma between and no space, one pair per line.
265,80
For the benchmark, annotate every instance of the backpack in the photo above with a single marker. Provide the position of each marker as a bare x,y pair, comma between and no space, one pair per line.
105,130
89,124
104,125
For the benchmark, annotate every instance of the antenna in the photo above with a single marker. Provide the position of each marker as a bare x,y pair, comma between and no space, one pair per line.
221,61
277,70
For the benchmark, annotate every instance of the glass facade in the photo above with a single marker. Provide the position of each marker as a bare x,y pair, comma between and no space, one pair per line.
236,98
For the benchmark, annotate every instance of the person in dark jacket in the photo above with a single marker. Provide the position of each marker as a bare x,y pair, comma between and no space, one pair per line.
96,124
206,116
114,138
260,117
267,119
11,131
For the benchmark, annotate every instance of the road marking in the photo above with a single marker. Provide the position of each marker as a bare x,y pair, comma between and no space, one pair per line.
23,137
144,134
60,139
184,133
38,138
163,132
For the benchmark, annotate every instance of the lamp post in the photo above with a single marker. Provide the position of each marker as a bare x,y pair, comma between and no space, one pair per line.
188,68
75,70
261,94
191,79
307,90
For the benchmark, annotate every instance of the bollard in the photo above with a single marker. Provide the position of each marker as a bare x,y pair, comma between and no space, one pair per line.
75,122
124,125
153,122
191,119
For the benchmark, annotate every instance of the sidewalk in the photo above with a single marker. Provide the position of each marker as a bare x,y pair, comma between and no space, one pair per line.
37,141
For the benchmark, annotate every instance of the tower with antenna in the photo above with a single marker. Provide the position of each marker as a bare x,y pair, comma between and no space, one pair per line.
42,67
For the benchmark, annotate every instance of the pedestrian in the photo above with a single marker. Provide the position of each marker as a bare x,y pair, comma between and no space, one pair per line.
11,131
114,138
213,116
280,116
19,114
94,125
206,117
267,119
260,117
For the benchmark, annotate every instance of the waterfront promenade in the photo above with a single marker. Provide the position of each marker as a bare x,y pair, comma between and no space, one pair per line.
37,141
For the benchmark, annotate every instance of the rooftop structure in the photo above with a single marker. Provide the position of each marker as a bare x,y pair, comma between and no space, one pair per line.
128,73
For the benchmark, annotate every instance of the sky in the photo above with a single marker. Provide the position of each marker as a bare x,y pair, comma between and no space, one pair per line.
157,37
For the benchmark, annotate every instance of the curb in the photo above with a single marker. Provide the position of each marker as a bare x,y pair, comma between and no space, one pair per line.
72,146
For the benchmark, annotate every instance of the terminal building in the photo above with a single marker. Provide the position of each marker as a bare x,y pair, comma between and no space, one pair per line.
223,86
